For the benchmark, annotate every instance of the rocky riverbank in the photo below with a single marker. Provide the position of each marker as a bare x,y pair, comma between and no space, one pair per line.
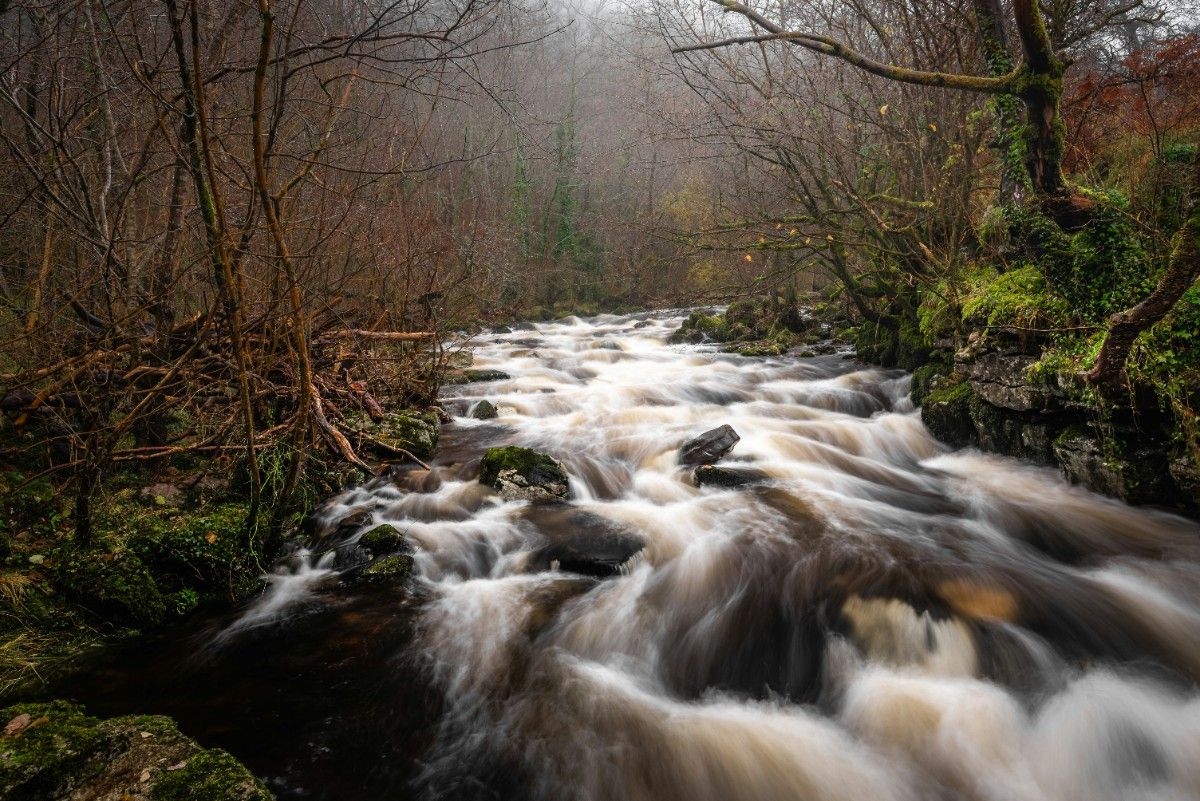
985,396
991,390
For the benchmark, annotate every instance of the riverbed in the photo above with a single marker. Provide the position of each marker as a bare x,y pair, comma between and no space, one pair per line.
871,615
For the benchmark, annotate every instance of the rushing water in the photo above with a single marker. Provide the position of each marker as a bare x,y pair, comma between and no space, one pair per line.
880,618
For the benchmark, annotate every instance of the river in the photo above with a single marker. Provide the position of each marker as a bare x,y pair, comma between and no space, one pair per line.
876,617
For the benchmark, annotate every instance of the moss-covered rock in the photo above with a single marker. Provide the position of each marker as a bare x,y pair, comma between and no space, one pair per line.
200,552
474,376
412,431
524,474
382,539
55,752
484,410
946,412
115,586
924,376
395,566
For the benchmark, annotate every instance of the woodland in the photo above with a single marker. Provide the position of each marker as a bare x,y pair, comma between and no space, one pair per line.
245,243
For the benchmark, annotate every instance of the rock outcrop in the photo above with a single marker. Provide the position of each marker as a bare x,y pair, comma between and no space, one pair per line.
988,399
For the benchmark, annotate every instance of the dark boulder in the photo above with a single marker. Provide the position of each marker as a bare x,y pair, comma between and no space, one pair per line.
709,446
581,542
484,410
473,376
712,476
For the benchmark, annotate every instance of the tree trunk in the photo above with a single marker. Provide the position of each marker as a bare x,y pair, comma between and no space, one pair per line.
1109,375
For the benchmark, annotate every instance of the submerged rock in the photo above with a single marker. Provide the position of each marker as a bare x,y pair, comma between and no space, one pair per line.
54,752
523,474
709,446
581,542
484,410
712,476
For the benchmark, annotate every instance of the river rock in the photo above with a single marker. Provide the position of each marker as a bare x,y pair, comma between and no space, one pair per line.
523,474
708,475
382,539
484,410
475,376
581,542
64,754
388,568
709,446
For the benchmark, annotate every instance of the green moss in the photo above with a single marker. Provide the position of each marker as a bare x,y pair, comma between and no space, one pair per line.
117,587
1167,359
923,376
382,539
1021,298
946,412
395,566
537,468
767,348
57,743
60,752
1100,269
412,431
211,775
475,376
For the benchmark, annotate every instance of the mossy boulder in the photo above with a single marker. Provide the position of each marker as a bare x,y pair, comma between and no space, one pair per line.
484,410
115,586
202,550
474,376
389,568
709,475
382,540
524,474
55,752
410,431
946,412
924,377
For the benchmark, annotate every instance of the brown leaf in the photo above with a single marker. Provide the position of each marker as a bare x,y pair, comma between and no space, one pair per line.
210,537
17,724
145,777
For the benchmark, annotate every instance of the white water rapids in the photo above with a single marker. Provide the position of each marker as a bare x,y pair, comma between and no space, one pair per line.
880,619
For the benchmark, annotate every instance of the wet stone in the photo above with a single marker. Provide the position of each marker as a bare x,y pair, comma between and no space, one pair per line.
484,410
523,474
581,542
713,476
709,446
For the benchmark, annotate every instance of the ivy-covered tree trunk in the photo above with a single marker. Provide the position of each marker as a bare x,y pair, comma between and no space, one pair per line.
1041,89
1108,375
